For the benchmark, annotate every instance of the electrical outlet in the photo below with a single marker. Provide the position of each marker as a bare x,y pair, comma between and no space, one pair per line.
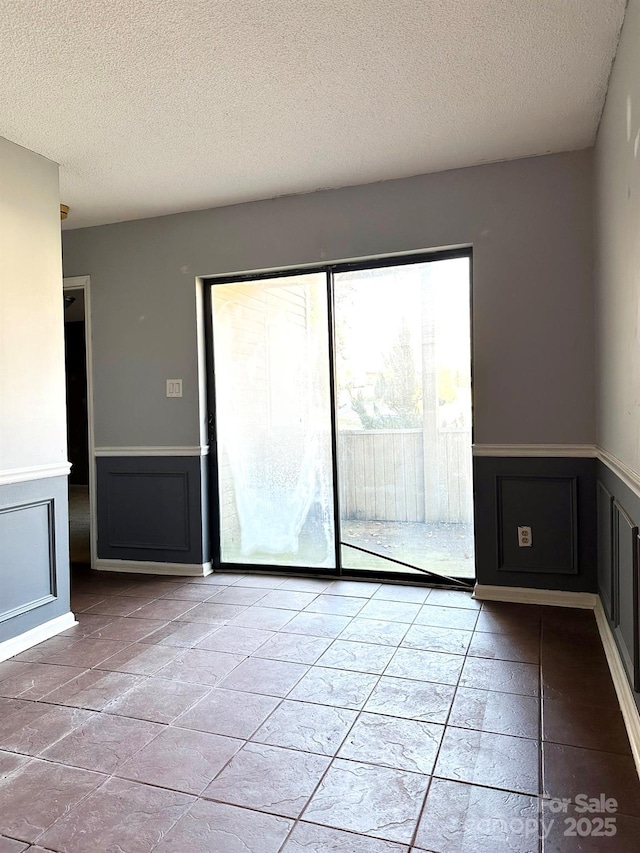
174,387
524,537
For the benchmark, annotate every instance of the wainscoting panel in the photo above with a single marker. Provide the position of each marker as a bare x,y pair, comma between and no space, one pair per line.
549,506
618,567
636,618
625,535
34,554
605,547
150,509
554,496
27,544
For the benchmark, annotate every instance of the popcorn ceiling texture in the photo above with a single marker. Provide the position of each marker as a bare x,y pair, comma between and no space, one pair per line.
156,107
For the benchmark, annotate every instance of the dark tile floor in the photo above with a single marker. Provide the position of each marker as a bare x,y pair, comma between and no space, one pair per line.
256,714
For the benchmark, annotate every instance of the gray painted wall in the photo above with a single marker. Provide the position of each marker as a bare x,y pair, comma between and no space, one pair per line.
617,287
618,252
530,224
34,552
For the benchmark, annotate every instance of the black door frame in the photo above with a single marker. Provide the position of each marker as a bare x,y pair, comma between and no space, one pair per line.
329,270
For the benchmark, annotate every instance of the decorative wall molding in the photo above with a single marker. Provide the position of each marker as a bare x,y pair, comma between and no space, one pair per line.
538,501
195,450
548,503
43,632
522,595
43,588
129,528
34,472
628,706
605,501
25,608
533,450
150,509
34,586
629,477
146,567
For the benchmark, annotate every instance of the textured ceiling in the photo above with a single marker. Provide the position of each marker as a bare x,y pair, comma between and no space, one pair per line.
155,107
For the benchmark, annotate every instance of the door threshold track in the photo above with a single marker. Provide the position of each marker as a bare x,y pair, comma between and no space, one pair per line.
454,581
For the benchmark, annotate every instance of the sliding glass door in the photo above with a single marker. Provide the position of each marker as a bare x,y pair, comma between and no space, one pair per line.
403,372
341,401
273,422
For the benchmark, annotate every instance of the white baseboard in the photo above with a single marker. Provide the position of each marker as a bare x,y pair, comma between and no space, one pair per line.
628,706
147,567
43,632
522,595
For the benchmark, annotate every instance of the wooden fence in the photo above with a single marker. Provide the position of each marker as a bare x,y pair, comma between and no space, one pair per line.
382,476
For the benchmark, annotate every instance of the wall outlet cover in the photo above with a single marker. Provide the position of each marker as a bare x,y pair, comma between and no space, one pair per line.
524,537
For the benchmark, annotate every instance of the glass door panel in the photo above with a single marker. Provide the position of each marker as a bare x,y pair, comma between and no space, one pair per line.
273,422
403,377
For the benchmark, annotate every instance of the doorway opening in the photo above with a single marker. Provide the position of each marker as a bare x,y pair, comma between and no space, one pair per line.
341,419
79,421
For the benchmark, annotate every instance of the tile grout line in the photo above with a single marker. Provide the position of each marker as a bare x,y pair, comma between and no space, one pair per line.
332,759
282,700
335,755
360,712
422,809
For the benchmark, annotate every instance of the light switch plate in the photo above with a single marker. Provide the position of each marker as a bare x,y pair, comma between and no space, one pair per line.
174,387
